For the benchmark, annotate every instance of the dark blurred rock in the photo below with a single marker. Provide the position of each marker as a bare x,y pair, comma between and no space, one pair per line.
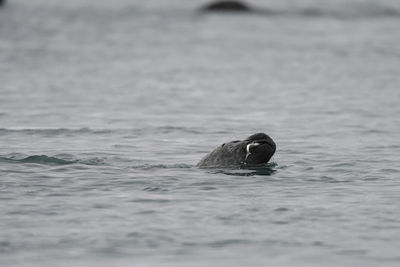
227,6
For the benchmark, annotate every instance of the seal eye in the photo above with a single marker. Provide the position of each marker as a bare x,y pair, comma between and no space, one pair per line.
250,147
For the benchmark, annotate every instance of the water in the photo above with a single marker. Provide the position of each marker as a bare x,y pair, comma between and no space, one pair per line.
105,108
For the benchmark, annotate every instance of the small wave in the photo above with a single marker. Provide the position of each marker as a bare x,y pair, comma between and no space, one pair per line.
53,132
228,243
62,159
169,129
79,131
43,159
96,161
162,166
263,170
39,159
67,159
355,11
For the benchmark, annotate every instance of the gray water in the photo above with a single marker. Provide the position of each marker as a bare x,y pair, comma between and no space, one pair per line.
106,107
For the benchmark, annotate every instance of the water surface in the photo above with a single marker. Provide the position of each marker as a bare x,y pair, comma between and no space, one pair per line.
106,107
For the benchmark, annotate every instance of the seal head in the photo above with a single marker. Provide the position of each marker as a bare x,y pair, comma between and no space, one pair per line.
255,150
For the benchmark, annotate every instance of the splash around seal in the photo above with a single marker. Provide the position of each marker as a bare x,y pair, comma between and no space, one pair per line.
257,149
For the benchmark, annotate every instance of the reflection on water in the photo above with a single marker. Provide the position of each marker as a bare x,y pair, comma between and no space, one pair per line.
264,170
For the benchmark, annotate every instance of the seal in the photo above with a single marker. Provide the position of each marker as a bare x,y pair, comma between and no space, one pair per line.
227,6
255,150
